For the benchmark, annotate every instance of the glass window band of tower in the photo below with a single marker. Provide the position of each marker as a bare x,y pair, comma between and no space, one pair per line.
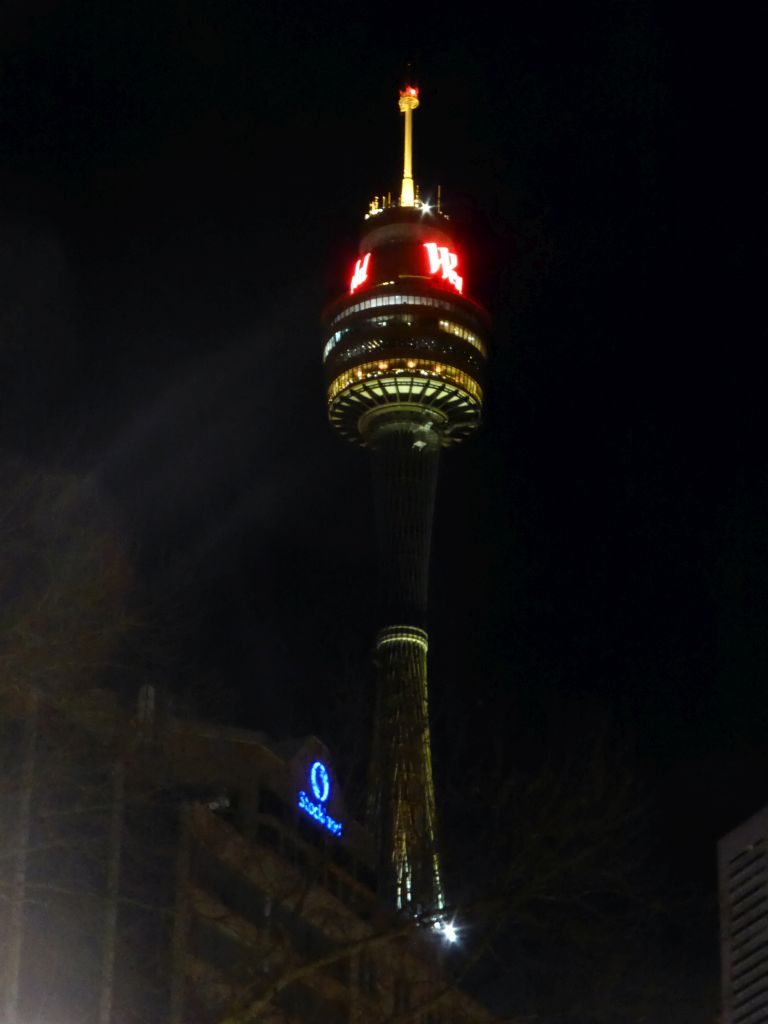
418,373
416,346
409,319
463,307
407,331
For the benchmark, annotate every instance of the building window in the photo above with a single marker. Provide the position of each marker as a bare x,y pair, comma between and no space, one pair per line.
270,803
367,973
401,996
367,876
215,945
268,834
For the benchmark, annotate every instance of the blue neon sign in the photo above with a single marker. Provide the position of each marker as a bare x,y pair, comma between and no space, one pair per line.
319,781
320,784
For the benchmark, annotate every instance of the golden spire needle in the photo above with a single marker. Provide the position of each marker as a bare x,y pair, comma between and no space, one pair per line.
409,100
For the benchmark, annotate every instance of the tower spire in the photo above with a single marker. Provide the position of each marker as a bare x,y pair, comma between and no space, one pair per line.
409,100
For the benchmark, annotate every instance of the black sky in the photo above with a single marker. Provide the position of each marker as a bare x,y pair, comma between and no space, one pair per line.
180,193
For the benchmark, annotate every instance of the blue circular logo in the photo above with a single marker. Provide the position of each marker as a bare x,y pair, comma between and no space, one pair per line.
320,781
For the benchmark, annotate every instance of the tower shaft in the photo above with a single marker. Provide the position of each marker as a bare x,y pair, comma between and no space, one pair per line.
405,449
405,455
402,792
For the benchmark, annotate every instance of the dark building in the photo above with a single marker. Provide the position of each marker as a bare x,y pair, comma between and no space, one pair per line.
164,871
743,883
405,359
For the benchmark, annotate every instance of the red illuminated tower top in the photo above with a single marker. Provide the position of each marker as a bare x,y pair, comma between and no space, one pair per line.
407,330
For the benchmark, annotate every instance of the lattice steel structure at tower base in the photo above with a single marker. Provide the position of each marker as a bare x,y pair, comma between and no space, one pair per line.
405,358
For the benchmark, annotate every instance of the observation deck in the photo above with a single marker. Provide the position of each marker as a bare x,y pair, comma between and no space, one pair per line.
406,339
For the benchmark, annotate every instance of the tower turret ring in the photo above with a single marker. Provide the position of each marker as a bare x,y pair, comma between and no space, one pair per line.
450,399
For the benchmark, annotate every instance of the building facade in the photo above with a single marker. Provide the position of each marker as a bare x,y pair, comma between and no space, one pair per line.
161,871
743,886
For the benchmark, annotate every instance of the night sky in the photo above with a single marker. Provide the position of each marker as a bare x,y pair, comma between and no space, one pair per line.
181,191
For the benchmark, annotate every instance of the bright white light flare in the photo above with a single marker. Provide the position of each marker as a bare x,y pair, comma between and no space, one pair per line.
447,929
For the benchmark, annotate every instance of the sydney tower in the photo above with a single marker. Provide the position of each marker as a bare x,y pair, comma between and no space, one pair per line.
405,360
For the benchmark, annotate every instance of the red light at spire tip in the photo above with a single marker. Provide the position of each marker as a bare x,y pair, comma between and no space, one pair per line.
409,90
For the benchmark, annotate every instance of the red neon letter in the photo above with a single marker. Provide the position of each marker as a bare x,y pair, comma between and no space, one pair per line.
441,258
361,273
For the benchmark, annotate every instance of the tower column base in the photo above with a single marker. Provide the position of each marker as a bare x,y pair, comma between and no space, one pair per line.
402,801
